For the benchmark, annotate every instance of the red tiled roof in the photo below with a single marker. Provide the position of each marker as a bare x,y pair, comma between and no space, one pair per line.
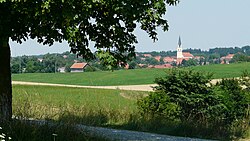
198,57
78,65
168,59
147,55
230,56
158,58
187,54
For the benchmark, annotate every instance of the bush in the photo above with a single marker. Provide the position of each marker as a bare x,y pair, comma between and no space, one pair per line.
90,69
189,90
157,105
187,96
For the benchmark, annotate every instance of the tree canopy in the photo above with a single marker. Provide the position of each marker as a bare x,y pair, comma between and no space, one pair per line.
107,23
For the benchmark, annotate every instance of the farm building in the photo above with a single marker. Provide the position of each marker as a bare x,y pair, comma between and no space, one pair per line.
78,67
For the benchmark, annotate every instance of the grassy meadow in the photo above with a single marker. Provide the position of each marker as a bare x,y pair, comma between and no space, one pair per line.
70,106
95,107
59,103
126,77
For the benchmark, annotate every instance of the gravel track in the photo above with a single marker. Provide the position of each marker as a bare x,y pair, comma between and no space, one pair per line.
125,135
148,87
128,87
118,135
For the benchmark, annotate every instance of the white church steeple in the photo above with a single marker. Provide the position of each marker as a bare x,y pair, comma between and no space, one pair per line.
179,49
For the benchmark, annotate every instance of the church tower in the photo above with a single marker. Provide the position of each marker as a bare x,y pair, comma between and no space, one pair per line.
179,49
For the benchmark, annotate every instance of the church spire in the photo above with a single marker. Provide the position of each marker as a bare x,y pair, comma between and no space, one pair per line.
179,49
179,42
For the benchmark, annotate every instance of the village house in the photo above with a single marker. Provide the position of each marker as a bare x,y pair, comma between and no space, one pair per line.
40,59
168,59
61,69
226,59
78,67
147,55
158,58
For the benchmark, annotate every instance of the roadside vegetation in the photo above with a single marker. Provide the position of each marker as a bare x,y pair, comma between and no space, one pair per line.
21,130
127,77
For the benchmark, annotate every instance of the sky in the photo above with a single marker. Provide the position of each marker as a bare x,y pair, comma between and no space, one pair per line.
201,24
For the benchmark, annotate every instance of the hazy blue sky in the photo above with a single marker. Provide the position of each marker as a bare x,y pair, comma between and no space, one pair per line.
201,24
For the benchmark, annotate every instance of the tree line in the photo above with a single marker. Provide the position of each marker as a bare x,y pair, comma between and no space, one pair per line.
50,63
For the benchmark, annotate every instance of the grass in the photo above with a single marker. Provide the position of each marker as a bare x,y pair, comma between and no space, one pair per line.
95,107
126,77
82,105
99,78
225,70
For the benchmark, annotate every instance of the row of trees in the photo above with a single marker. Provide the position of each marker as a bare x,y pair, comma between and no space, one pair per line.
47,63
218,52
50,63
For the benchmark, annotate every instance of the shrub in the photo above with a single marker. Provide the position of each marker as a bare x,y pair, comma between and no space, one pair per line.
234,98
157,104
189,90
187,96
90,69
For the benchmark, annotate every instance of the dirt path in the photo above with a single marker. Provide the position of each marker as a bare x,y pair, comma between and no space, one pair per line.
119,135
128,87
147,87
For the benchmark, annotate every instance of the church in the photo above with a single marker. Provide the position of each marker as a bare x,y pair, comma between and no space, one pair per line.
180,55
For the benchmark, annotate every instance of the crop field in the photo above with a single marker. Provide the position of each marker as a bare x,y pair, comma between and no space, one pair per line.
126,77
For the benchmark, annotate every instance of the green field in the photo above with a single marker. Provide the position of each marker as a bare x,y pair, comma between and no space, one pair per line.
126,77
94,98
58,103
95,107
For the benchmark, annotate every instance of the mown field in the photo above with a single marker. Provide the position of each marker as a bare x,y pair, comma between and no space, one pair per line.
126,77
